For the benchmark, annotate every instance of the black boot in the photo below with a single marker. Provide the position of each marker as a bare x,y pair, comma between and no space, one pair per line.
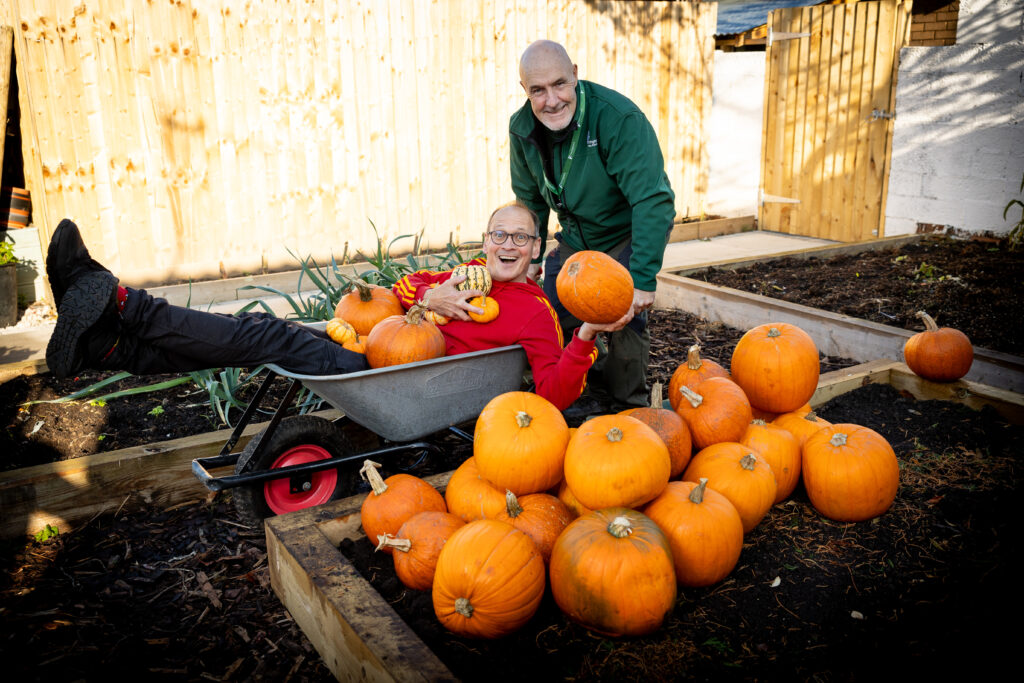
88,324
67,259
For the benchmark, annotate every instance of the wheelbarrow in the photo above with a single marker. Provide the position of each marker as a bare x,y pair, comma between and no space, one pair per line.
297,462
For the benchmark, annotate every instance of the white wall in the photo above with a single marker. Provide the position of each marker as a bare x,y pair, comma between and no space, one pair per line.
958,141
734,136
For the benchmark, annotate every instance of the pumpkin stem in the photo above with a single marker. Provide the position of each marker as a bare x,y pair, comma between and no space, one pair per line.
693,357
574,268
463,607
614,435
748,461
838,439
523,419
758,421
656,397
811,416
692,396
512,505
389,541
415,314
370,474
364,289
620,527
774,332
697,494
929,322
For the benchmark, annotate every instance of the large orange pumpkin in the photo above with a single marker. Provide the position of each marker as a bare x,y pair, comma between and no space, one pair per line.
616,461
941,354
611,571
850,472
365,305
404,339
669,426
691,373
800,424
519,442
540,516
703,528
394,500
777,365
470,496
417,544
780,449
489,580
594,287
738,474
717,410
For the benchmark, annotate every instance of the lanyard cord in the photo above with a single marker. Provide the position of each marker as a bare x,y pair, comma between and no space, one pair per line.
572,148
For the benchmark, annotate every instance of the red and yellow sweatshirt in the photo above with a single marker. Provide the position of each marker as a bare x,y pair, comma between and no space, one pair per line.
526,318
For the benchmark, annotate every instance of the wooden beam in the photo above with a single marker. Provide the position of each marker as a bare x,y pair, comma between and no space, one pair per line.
6,51
694,230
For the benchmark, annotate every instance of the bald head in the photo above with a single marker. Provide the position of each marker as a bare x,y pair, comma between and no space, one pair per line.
549,78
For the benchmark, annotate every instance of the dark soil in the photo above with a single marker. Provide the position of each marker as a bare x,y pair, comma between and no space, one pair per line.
183,594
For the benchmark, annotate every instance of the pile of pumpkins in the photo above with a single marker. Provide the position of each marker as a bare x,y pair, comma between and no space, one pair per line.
370,319
616,514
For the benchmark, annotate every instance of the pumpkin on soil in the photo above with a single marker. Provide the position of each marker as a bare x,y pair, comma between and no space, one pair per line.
616,461
489,580
703,528
738,474
780,449
540,516
404,339
669,426
801,425
365,305
417,544
612,572
594,287
490,309
941,354
519,442
691,373
717,410
777,365
850,472
394,500
341,331
470,496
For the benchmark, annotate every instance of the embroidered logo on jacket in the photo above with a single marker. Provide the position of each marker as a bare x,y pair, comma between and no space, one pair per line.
591,142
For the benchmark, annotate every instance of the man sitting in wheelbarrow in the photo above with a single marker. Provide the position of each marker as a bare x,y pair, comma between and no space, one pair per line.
105,326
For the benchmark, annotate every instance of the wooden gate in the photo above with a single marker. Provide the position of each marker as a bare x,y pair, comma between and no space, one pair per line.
829,103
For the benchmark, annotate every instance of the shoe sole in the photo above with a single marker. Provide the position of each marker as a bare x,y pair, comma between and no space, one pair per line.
60,235
82,305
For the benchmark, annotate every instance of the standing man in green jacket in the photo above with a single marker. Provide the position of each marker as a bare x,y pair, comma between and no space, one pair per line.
589,154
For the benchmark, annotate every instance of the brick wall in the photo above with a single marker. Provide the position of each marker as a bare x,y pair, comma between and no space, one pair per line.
936,24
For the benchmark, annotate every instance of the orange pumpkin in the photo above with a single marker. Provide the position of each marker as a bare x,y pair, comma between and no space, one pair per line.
941,354
669,426
565,495
489,305
777,366
340,331
780,449
703,528
801,425
435,318
594,287
850,472
519,442
691,373
417,544
365,305
357,345
470,496
394,500
738,474
611,571
403,339
540,516
717,410
489,580
616,461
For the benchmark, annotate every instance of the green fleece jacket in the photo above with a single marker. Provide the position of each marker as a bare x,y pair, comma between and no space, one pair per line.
616,186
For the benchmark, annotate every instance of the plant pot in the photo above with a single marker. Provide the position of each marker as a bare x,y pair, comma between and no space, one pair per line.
8,295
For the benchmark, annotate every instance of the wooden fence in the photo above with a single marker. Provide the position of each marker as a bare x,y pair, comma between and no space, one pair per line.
189,137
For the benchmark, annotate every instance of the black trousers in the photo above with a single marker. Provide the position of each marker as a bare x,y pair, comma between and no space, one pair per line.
158,337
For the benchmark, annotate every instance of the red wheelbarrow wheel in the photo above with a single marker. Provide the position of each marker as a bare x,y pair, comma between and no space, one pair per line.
296,440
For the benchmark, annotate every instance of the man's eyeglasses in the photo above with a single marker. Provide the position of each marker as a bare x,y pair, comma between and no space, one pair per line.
520,239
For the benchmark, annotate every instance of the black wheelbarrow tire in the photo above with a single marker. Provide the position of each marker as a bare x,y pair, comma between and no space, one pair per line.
298,439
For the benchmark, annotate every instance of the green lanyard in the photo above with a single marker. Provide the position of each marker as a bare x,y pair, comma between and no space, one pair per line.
557,191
